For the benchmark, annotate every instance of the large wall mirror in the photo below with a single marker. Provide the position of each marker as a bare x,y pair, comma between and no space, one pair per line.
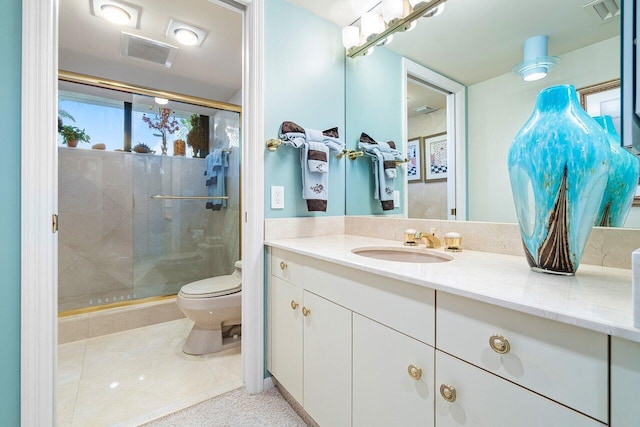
476,44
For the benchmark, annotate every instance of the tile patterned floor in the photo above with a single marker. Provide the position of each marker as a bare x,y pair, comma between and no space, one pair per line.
131,377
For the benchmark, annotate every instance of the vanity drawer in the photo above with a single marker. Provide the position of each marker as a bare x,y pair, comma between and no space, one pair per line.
287,266
402,306
468,396
565,363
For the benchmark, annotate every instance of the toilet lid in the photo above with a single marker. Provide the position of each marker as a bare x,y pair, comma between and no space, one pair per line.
212,287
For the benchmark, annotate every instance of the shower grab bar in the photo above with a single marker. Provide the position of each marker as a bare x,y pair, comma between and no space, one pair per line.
159,197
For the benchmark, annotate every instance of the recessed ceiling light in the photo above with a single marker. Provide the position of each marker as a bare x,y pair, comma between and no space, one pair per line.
186,36
115,14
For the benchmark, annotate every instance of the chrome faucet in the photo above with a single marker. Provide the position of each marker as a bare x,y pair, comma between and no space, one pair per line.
430,239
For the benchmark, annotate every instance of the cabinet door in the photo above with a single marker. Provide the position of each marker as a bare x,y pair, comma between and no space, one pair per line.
625,383
384,392
285,335
483,399
327,361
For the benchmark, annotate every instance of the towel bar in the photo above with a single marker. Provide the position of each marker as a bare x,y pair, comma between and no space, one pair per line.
159,197
273,144
352,154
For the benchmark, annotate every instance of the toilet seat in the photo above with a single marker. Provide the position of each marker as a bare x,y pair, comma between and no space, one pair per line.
212,287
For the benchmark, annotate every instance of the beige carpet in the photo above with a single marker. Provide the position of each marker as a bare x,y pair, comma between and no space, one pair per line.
238,409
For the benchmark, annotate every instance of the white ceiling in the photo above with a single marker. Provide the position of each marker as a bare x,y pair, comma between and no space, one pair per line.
475,40
91,45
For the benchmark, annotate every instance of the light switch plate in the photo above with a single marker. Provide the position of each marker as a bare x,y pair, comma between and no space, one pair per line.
277,197
396,200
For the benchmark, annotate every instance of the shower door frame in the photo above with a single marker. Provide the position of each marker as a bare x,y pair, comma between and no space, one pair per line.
39,201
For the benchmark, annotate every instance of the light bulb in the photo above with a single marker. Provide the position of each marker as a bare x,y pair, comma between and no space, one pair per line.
536,75
186,36
392,9
350,36
385,41
412,26
414,3
161,101
371,23
115,14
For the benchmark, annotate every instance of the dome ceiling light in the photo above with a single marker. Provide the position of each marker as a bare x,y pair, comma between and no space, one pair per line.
185,34
536,64
117,12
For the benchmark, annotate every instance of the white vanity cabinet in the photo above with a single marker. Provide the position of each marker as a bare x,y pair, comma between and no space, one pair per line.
370,350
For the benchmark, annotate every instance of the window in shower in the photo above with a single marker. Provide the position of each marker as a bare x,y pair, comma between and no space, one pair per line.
137,225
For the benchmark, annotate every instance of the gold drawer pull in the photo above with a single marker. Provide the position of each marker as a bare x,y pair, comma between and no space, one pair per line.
499,344
294,304
415,372
306,312
448,392
283,266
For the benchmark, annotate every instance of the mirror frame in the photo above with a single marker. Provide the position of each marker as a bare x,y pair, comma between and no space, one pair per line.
456,130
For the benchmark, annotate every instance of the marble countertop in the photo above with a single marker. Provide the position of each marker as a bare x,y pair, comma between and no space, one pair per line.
597,298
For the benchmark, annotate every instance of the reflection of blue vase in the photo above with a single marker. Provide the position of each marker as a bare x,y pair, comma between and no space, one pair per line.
558,165
623,180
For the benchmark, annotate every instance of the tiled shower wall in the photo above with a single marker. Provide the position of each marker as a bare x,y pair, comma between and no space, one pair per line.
116,243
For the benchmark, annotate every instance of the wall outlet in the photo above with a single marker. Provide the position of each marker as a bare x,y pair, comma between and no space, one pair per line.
277,197
396,200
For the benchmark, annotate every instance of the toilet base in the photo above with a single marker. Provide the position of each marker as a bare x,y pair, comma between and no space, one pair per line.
205,341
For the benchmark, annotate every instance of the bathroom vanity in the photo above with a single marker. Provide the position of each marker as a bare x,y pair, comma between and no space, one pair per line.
478,340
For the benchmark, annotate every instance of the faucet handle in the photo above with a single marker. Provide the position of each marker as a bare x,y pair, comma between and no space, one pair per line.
410,237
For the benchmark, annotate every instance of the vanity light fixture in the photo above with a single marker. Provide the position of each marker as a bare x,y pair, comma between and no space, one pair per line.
161,101
536,63
117,12
185,34
377,30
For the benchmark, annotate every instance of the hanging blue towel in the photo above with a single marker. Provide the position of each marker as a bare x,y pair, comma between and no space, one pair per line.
216,169
314,148
383,156
314,160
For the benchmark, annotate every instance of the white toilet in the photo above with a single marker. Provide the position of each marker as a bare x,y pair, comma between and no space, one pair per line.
214,304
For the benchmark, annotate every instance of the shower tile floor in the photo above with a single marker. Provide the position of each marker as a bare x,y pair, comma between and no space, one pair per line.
131,377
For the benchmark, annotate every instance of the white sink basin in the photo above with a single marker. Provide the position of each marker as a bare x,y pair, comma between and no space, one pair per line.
401,254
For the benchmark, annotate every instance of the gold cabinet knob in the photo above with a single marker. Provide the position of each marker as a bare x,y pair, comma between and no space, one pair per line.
448,392
306,312
415,372
294,304
283,265
499,344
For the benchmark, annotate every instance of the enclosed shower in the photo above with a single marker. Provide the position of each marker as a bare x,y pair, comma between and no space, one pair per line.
138,215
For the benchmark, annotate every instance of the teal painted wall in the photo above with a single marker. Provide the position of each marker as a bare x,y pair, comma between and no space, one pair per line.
304,83
10,70
374,106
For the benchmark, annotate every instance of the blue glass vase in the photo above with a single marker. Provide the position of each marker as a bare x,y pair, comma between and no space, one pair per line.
558,166
624,168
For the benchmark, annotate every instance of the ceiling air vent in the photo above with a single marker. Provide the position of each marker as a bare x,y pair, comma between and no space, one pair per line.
133,46
425,109
606,9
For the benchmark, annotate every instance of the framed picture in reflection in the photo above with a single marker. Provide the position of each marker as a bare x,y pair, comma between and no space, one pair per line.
603,99
415,167
435,148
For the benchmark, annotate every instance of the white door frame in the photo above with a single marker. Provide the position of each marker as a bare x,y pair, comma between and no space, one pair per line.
39,187
456,135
